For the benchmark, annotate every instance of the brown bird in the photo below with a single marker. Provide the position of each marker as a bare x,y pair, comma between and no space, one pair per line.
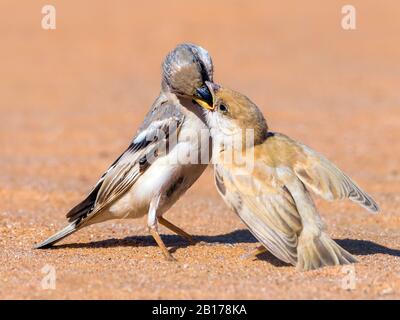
266,178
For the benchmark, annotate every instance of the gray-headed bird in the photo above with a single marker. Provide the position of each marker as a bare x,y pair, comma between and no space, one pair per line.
150,176
266,178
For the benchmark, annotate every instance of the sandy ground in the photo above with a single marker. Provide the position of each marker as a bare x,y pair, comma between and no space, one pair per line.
72,98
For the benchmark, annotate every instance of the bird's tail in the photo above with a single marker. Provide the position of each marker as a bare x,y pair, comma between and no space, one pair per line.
69,229
316,251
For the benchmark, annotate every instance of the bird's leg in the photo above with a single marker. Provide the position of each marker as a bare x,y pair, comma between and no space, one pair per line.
175,229
152,224
253,253
161,244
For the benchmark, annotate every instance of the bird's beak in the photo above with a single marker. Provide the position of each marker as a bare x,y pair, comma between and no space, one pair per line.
204,96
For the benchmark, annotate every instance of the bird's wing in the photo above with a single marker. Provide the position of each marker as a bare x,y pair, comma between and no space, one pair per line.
150,143
268,210
326,180
161,109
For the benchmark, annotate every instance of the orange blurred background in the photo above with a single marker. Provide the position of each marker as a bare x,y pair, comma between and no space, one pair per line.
72,98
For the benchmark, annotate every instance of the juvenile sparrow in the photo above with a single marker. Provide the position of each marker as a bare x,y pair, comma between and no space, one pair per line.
148,178
270,189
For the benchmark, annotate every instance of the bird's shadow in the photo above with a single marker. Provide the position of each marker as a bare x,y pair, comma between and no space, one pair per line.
172,241
354,246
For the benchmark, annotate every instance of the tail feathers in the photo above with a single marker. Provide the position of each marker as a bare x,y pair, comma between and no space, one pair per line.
315,252
69,229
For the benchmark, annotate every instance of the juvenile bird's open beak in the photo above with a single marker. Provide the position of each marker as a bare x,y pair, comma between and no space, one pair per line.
204,97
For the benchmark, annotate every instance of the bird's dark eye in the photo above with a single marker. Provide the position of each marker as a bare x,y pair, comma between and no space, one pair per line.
223,108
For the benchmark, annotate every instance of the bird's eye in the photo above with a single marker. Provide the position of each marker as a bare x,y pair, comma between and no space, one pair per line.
223,108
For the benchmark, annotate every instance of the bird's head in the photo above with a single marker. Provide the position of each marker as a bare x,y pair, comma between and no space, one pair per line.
185,71
232,113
